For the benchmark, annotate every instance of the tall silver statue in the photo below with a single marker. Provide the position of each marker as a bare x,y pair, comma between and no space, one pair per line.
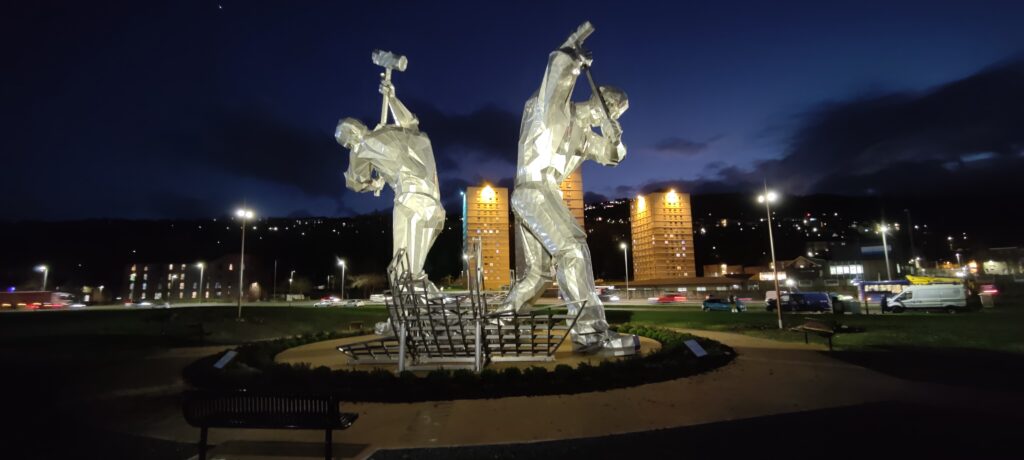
555,138
399,155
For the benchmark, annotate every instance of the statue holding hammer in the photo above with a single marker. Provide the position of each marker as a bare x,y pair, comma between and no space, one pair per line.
556,137
400,155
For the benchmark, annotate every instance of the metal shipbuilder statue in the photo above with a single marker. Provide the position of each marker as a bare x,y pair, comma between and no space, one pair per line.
398,155
556,137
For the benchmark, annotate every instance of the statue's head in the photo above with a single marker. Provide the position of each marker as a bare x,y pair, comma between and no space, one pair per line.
350,132
614,97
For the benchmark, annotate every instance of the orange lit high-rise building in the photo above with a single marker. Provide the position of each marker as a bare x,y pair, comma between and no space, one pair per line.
572,194
662,236
486,214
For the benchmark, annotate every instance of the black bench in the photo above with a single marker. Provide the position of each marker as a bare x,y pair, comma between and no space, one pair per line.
815,326
247,409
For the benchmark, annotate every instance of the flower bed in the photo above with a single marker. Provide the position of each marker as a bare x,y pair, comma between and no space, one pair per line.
254,368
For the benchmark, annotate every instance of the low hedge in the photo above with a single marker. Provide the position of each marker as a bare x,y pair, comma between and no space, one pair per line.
254,368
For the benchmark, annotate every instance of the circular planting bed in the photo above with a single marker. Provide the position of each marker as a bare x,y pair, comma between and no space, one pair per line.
254,368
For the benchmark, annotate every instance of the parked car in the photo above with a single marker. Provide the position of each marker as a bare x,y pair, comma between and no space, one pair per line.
353,303
803,301
668,297
330,301
949,297
771,295
715,304
378,298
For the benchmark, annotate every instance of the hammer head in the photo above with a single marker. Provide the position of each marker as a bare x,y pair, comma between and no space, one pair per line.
389,60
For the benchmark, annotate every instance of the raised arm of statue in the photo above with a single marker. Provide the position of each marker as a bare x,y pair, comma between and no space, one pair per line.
559,80
359,176
608,151
403,116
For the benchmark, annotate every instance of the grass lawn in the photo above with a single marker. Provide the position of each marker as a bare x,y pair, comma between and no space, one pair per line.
992,330
179,326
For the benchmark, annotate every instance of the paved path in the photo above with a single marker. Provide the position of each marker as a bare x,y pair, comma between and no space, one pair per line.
767,378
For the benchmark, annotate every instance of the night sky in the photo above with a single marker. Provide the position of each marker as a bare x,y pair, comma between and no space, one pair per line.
185,109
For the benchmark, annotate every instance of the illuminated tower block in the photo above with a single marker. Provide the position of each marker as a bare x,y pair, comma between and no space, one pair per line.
662,236
572,194
485,215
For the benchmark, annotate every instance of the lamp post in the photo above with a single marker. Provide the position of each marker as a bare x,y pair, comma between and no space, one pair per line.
202,270
625,261
244,215
46,273
767,198
291,278
341,263
883,229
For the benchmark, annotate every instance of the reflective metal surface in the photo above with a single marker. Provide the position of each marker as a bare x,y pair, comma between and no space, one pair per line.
399,155
556,137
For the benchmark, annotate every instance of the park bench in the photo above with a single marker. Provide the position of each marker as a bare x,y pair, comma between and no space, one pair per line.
815,326
246,409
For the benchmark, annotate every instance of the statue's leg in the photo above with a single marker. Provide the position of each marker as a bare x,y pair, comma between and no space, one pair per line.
400,233
535,276
418,221
545,215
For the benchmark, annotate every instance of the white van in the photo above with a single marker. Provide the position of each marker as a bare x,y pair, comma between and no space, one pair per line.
949,297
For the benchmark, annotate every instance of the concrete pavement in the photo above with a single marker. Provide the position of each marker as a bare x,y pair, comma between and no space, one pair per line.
767,378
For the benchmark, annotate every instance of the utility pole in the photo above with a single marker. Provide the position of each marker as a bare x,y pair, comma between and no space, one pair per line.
767,198
913,250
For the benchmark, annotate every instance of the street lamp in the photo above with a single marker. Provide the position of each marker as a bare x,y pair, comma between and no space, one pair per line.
291,278
341,263
625,260
202,269
767,198
883,229
46,272
243,214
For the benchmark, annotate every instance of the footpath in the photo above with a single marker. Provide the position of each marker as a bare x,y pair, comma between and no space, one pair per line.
767,378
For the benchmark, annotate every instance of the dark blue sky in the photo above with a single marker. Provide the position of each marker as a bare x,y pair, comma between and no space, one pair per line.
184,109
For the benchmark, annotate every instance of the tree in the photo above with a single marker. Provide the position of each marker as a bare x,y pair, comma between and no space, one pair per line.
367,282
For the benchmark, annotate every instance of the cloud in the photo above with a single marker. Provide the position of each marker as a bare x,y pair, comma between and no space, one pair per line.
944,141
680,146
622,190
255,145
168,203
594,197
488,133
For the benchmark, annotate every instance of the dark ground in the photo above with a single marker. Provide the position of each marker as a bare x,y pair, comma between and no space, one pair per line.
53,375
880,430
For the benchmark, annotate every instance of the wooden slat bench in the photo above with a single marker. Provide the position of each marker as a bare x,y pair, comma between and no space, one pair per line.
815,326
246,409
